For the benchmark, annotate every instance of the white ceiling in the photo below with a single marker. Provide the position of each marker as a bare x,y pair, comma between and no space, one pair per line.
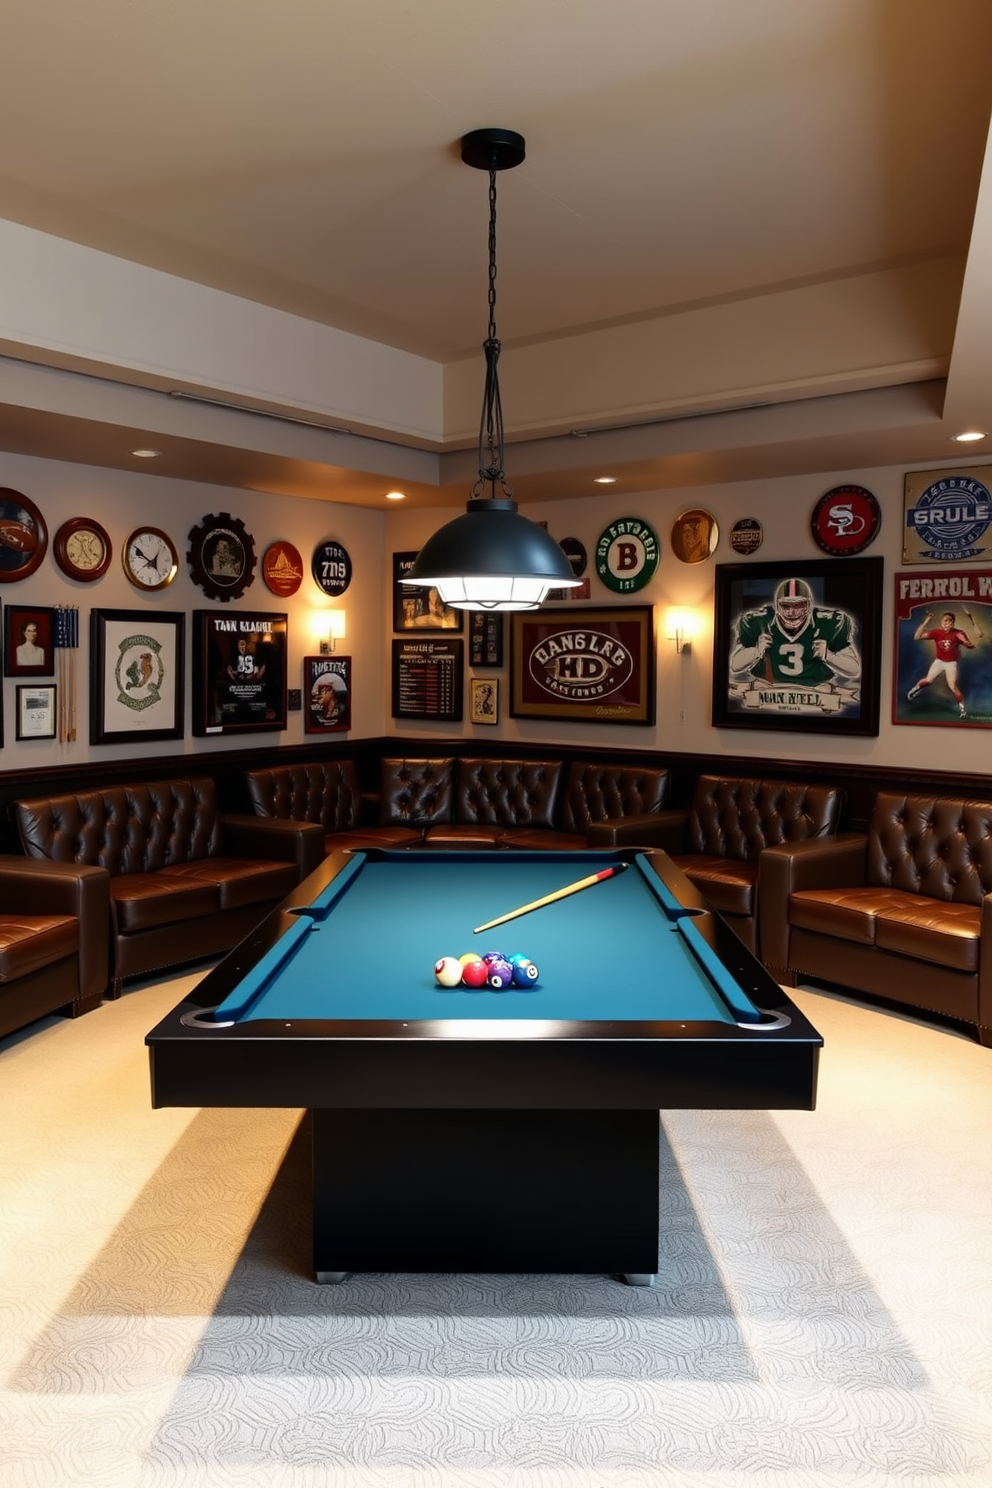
691,163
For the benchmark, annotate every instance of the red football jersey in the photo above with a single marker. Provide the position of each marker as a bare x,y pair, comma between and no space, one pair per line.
948,643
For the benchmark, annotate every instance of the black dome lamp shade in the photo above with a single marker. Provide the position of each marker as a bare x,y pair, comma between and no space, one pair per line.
492,558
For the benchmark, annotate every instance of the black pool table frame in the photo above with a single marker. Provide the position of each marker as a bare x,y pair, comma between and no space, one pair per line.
520,1146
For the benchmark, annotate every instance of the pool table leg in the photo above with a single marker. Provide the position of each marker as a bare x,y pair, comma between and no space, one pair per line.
640,1278
331,1278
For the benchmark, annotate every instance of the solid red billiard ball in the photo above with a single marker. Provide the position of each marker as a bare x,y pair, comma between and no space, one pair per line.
474,973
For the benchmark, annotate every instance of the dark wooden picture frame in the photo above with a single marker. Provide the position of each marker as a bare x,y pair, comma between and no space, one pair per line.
36,710
773,669
239,672
326,694
18,645
485,638
137,676
419,607
585,666
428,679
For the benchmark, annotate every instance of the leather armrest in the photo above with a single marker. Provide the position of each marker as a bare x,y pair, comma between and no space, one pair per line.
285,841
37,886
985,973
664,829
814,863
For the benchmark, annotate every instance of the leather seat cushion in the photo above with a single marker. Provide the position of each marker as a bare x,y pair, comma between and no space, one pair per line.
947,934
143,900
242,881
847,913
465,834
727,883
373,837
31,942
539,839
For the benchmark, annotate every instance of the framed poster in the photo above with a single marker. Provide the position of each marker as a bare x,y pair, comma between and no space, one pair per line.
28,641
485,638
327,690
416,607
797,646
484,700
594,666
36,710
137,674
942,669
427,679
239,672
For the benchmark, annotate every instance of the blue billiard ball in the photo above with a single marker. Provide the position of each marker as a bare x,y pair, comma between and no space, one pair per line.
525,973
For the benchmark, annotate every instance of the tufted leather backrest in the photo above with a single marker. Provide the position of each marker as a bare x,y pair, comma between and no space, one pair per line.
327,793
507,793
734,818
931,845
125,828
595,793
416,792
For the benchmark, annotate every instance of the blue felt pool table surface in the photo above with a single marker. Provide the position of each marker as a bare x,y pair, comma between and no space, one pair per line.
364,947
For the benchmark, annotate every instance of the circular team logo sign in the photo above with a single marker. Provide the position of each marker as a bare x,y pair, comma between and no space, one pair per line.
331,568
282,569
626,555
952,516
845,521
746,536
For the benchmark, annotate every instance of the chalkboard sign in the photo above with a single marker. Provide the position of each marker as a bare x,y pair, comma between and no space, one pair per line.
427,679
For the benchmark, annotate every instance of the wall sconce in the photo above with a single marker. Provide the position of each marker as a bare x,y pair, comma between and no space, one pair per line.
681,627
333,625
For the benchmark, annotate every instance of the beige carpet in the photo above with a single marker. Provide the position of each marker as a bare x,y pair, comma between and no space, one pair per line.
824,1314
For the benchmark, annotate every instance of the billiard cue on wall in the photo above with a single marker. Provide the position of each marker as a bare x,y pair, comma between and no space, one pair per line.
573,888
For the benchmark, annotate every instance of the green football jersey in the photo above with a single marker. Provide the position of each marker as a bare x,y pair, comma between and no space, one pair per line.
789,659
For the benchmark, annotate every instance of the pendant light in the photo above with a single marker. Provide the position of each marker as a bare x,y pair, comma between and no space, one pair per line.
492,558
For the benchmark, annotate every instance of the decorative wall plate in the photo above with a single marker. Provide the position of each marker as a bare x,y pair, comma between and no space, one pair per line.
82,549
282,568
331,568
845,521
627,555
221,556
694,535
150,558
23,536
746,535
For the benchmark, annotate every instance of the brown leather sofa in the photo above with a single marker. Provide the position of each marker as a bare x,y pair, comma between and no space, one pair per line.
720,843
904,913
53,940
471,803
184,882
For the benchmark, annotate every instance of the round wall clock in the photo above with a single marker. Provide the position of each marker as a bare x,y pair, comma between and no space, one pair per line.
331,568
221,556
845,521
23,536
626,555
150,558
82,549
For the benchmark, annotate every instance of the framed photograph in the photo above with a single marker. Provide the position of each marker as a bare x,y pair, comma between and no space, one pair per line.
484,700
28,641
942,669
36,710
485,638
592,666
416,607
797,646
239,672
427,679
137,676
327,690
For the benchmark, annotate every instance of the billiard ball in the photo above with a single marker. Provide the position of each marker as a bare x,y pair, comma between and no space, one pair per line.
525,973
500,973
475,973
495,956
469,956
448,971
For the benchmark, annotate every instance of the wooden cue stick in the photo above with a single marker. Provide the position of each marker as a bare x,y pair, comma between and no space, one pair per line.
573,888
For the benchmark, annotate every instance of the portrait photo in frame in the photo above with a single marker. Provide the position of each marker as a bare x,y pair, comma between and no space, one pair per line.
417,607
137,676
483,701
28,641
588,666
36,710
942,666
797,646
327,694
239,672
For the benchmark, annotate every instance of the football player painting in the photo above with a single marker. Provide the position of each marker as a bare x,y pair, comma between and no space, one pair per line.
793,642
947,641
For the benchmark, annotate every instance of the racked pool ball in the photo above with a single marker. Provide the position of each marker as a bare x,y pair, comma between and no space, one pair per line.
474,973
525,973
469,956
448,971
500,973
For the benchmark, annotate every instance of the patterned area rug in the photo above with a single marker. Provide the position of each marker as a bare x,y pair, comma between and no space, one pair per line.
823,1312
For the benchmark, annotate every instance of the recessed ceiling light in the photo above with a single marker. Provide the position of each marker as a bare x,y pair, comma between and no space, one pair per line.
395,495
604,480
147,454
970,435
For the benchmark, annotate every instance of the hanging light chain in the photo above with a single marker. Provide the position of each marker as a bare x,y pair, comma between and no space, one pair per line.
491,456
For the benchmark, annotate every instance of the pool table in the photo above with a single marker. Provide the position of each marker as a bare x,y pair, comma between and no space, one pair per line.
459,1130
